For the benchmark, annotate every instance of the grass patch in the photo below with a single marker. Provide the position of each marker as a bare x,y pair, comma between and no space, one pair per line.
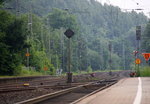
107,70
27,72
86,72
6,76
145,72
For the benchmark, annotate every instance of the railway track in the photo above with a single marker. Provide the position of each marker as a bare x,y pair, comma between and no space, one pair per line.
72,95
32,85
55,84
32,82
57,87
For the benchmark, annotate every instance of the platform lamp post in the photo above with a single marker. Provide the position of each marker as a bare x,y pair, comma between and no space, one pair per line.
69,33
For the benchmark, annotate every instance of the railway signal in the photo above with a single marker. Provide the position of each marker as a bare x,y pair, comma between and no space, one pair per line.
69,33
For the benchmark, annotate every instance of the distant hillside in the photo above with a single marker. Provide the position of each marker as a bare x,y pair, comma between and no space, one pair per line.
99,24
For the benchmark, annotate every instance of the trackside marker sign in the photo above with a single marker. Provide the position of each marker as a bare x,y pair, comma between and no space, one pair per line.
146,56
138,61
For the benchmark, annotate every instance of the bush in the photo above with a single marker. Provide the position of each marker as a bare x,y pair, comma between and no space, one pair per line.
145,72
89,69
29,72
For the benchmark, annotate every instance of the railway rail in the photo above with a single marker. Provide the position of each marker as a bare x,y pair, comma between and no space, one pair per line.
33,84
71,94
43,83
30,85
57,84
37,81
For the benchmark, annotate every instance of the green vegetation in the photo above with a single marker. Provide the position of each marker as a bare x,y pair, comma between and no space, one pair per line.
146,38
146,41
11,43
89,69
145,72
26,72
39,29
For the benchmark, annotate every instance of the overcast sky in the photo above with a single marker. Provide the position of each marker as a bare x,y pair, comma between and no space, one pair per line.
130,4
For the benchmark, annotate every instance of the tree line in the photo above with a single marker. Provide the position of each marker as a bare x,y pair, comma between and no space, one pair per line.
95,26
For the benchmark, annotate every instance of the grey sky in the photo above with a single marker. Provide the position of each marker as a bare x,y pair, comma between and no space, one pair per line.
130,4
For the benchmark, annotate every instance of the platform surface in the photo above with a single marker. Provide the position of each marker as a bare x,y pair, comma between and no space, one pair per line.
126,91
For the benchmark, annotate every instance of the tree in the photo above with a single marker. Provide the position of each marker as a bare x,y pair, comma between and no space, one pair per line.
11,44
61,18
98,25
146,39
1,1
16,34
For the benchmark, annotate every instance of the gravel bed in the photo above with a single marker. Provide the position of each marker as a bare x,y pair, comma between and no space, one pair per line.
13,97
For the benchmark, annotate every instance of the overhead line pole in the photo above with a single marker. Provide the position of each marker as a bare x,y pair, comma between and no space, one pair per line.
138,38
110,60
123,46
29,36
17,8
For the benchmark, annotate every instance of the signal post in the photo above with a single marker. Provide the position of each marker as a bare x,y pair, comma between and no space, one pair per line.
69,33
138,38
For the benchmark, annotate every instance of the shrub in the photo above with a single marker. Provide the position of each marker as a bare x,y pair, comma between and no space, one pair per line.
145,72
89,69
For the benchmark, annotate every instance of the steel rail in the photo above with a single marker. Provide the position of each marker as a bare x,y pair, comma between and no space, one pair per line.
94,92
51,95
69,90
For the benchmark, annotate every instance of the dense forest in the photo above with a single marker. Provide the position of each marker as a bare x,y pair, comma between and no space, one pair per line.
37,27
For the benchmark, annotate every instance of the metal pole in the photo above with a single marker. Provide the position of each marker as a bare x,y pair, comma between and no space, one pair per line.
29,29
138,49
49,39
123,55
69,33
17,7
110,61
138,38
27,58
62,50
69,74
69,57
135,63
